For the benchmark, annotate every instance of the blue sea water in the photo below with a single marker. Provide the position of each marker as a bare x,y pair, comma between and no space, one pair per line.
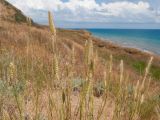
143,39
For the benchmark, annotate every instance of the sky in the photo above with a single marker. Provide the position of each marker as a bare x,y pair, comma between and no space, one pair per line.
94,13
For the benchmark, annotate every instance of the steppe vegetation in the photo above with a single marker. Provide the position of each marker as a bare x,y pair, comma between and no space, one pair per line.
57,74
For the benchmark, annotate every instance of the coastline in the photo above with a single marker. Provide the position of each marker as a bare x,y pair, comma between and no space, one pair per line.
125,46
107,47
146,40
114,48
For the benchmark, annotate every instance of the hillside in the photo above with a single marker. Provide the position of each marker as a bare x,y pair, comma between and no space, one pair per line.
30,65
13,15
10,13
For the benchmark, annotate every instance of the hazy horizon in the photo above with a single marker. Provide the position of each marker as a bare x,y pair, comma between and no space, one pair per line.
103,25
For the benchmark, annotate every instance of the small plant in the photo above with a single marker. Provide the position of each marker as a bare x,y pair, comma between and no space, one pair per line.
19,17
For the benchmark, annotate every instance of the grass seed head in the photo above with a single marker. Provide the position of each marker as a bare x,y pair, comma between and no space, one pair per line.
121,71
86,52
111,64
12,71
89,52
142,99
73,55
146,74
55,67
157,110
29,21
136,89
51,24
149,65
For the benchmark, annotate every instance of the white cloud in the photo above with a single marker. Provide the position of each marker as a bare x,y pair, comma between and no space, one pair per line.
90,10
83,4
37,4
121,8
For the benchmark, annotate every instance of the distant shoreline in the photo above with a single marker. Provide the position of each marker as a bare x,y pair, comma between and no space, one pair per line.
147,44
125,46
134,52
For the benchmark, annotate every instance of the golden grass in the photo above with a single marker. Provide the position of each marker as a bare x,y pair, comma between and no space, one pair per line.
60,81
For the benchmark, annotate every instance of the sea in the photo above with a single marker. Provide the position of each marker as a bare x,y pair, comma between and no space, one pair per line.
147,40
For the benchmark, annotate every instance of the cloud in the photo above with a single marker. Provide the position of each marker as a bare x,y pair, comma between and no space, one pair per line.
90,10
37,4
74,5
121,8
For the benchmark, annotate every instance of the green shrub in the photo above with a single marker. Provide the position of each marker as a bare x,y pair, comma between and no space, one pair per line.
19,17
140,66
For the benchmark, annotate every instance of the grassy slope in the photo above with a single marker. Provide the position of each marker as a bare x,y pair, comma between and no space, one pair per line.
135,60
11,13
13,43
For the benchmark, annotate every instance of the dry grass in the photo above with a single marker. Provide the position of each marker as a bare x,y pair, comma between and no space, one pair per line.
58,75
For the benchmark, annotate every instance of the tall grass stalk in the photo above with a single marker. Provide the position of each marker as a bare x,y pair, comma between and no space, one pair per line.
52,30
157,109
12,83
